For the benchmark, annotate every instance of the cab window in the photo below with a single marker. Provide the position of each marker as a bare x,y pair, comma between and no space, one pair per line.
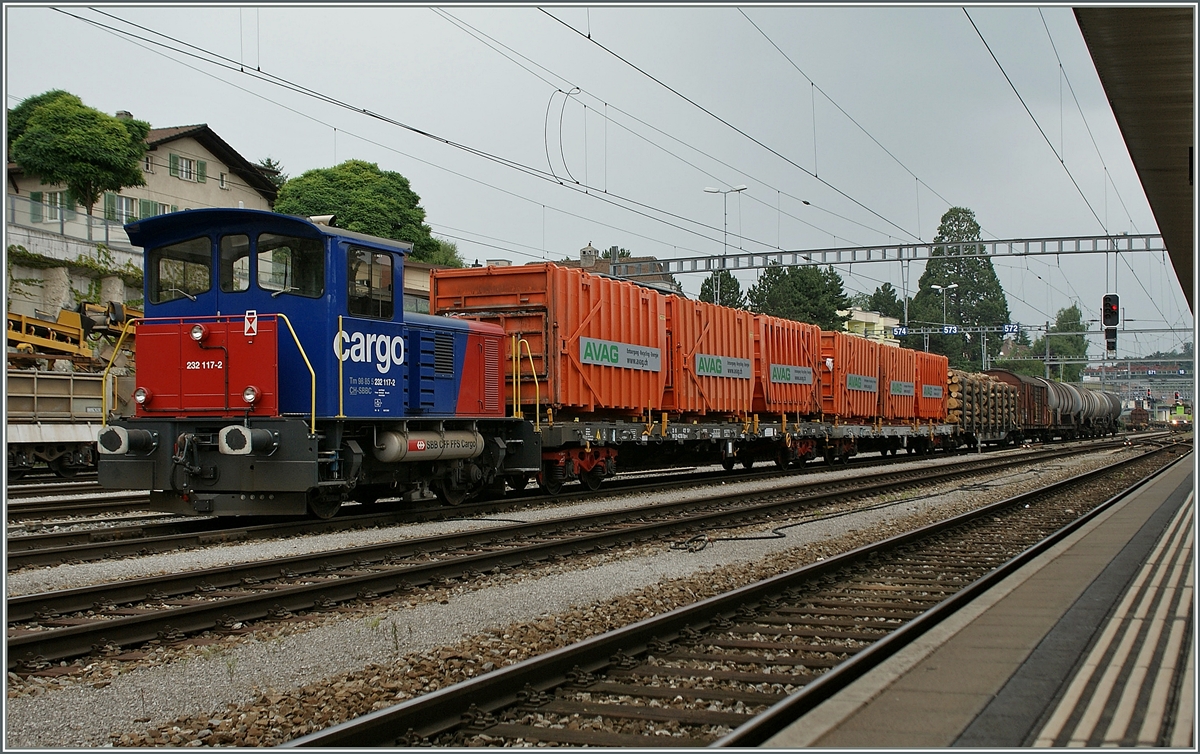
181,270
370,279
290,265
235,263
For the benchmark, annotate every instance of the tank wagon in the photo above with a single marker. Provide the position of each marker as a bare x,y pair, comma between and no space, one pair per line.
280,374
1057,410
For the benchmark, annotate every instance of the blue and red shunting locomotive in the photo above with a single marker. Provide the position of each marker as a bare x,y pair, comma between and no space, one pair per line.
279,373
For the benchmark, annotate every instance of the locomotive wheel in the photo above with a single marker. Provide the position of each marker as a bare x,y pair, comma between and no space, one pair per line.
592,479
449,494
517,483
322,507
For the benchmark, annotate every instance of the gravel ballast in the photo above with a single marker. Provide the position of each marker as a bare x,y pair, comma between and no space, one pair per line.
283,680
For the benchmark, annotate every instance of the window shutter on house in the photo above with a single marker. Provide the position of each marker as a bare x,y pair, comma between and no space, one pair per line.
174,164
201,171
110,207
147,208
174,207
35,206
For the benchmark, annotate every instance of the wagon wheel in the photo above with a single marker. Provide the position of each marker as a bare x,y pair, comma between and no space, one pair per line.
449,493
323,507
61,468
16,473
552,479
781,459
728,462
747,463
592,479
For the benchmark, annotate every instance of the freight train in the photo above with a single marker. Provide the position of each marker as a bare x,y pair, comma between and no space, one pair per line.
52,417
280,374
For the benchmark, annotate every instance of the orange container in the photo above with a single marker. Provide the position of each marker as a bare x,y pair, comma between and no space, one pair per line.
598,345
712,367
897,383
787,365
849,376
932,386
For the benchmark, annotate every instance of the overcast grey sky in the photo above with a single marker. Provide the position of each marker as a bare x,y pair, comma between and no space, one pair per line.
634,157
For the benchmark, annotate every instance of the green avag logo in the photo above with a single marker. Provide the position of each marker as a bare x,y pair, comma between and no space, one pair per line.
709,365
600,352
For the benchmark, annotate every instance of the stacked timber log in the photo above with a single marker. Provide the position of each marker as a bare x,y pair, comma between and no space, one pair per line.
981,404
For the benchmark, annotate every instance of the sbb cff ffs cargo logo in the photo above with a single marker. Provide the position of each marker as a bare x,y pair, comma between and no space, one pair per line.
381,350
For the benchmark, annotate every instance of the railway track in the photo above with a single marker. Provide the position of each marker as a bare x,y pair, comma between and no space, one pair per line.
148,537
69,623
101,501
734,669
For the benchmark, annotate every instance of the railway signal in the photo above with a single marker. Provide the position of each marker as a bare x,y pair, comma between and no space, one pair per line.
1110,338
1110,311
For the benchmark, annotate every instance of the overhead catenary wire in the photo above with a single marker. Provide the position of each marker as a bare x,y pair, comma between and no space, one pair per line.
850,117
613,199
516,58
725,122
1083,117
1035,121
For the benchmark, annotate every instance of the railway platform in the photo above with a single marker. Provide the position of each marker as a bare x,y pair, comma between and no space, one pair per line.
1091,644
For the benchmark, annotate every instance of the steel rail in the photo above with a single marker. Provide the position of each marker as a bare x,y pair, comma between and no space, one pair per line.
414,721
151,538
60,643
757,731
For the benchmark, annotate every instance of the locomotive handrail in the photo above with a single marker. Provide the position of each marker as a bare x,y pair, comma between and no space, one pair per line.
341,389
312,374
112,360
537,391
515,358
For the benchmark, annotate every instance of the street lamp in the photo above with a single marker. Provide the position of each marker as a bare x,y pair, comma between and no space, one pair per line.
725,244
937,287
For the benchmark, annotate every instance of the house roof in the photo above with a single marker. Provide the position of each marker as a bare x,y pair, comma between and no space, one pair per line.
254,176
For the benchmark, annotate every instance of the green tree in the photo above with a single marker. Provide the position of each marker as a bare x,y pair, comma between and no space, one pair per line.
802,293
66,142
18,117
1069,320
976,300
446,254
614,252
731,290
885,301
365,200
274,172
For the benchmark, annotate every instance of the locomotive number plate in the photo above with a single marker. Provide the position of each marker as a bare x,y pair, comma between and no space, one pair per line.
218,364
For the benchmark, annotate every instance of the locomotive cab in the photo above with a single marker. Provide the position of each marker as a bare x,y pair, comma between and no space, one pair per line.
279,373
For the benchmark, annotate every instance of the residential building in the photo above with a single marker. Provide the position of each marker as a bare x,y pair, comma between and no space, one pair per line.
591,261
185,167
871,325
